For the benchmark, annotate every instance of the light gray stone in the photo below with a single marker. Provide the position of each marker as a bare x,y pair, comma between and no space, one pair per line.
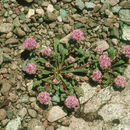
31,12
32,113
78,124
95,103
1,56
102,44
80,4
14,124
66,39
126,33
35,124
50,8
40,11
22,113
111,111
5,88
11,41
124,15
6,27
89,92
64,128
55,113
89,5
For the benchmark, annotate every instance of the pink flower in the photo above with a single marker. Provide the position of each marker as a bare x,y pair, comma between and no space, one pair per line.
56,81
31,68
77,34
29,43
77,78
126,50
98,50
105,62
69,74
120,82
46,51
71,102
44,97
97,75
70,59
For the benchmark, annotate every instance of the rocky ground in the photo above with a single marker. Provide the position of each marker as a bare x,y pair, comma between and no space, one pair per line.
104,22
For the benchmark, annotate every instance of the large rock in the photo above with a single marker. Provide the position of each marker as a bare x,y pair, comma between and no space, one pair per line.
126,32
55,113
124,15
6,27
97,101
112,111
78,124
14,124
89,92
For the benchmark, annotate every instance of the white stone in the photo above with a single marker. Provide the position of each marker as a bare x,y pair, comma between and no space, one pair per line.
31,12
59,18
50,8
113,2
14,124
78,124
88,92
23,112
110,112
102,44
66,39
64,128
6,27
95,103
40,11
89,5
55,113
126,33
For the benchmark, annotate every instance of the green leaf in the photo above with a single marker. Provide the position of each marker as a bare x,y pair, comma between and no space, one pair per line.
79,91
119,63
111,52
119,69
56,98
56,42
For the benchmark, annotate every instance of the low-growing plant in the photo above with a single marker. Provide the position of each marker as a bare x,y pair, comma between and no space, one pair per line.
58,71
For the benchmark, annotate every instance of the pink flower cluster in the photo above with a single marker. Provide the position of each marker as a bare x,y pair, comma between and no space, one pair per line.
71,102
77,34
29,44
44,97
105,62
31,68
97,75
70,59
120,82
46,51
126,50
